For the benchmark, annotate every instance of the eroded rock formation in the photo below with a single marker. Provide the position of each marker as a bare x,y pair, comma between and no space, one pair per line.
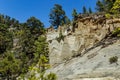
88,31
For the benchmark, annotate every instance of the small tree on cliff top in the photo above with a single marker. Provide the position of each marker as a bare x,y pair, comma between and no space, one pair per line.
84,10
57,16
74,14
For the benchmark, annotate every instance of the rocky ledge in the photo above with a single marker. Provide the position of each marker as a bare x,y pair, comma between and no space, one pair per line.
94,65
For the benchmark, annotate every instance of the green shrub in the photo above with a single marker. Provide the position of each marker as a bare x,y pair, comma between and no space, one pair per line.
107,15
51,76
116,32
113,59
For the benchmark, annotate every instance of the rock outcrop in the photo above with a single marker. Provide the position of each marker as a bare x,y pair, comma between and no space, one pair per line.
85,51
94,65
88,32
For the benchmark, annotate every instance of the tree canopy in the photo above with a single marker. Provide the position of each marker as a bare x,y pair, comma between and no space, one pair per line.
84,10
21,46
74,14
116,7
57,16
104,5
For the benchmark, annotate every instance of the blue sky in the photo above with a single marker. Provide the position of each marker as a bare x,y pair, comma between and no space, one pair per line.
23,9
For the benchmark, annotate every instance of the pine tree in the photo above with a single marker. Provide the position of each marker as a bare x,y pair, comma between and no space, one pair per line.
116,7
67,20
57,16
90,10
100,6
30,32
84,10
74,14
104,5
6,39
41,48
41,58
9,66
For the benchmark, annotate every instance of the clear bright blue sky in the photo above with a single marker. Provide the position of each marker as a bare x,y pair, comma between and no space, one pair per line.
23,9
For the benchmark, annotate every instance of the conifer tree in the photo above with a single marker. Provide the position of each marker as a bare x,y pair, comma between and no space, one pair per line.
116,7
100,6
90,10
104,5
84,10
74,14
57,16
9,66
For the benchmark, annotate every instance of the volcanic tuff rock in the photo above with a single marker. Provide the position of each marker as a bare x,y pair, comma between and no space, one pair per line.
87,33
85,51
94,65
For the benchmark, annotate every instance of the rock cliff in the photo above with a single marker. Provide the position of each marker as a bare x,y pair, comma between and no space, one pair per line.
85,50
94,65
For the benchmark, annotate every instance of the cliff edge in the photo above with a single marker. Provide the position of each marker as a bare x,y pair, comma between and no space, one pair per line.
85,50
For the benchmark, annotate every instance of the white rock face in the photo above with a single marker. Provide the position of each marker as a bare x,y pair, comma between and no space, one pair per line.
62,51
96,68
52,35
85,36
92,65
55,52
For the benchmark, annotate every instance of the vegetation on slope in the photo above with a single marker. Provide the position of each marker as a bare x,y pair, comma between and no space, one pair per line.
24,44
21,45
